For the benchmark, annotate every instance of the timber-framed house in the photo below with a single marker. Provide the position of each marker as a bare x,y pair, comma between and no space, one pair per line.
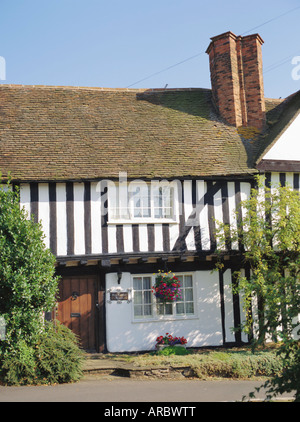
129,182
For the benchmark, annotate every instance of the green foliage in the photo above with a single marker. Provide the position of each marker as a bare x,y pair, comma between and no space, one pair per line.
270,235
225,363
173,350
240,365
289,379
17,365
27,282
59,358
55,358
32,351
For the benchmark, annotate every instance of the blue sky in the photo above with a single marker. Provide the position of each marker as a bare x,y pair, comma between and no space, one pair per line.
117,43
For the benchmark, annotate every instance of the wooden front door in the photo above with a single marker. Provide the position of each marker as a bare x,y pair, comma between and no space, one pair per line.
77,308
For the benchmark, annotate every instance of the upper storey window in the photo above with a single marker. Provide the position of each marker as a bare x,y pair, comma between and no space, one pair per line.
143,202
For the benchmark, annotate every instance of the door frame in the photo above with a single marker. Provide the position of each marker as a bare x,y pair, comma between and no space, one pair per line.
100,323
99,286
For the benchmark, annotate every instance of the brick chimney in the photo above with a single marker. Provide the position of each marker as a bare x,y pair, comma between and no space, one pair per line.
236,78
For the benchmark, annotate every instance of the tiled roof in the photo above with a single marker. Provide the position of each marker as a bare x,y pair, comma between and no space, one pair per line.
68,133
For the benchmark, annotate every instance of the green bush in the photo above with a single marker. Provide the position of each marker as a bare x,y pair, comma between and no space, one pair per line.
18,366
288,380
55,358
28,284
32,352
173,350
238,365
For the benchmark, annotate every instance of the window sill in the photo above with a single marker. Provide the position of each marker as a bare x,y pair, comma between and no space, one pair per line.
143,221
164,318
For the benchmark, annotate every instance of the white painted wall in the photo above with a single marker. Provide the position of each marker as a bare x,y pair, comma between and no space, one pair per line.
79,247
25,197
124,334
228,304
61,211
288,145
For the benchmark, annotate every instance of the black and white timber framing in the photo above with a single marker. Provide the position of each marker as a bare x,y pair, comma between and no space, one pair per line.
84,242
74,225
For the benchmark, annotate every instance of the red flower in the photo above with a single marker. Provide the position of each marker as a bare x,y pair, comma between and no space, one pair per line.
168,339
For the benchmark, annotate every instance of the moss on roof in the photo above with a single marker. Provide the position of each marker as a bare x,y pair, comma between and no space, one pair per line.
69,133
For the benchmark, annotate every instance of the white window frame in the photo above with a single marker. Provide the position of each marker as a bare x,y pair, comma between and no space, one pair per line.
156,316
121,205
142,302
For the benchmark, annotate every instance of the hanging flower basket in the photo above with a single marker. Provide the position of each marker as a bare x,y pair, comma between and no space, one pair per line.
167,287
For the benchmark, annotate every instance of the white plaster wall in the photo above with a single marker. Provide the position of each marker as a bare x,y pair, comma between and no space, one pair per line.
44,211
79,247
228,304
204,329
25,197
61,211
288,146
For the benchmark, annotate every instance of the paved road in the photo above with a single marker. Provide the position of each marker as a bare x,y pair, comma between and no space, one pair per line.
122,390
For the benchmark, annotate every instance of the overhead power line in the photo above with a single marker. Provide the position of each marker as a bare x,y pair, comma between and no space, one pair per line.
280,62
271,20
202,52
167,68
